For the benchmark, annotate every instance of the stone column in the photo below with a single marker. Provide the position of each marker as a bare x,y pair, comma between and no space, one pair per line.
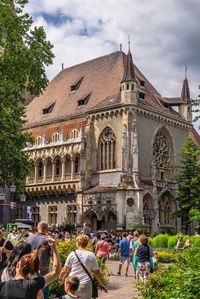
53,170
35,178
72,167
44,171
63,168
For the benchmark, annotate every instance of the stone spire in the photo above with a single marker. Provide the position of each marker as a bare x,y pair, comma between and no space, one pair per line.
185,93
129,72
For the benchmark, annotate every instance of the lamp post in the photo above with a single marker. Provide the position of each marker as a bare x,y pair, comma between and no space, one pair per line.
12,204
23,199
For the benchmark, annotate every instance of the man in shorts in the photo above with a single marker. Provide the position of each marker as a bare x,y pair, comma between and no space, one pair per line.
124,252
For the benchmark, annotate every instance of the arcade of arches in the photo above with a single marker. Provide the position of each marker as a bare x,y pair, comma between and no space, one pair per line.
107,222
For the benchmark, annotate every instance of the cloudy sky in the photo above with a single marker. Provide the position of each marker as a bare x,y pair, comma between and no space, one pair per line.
165,35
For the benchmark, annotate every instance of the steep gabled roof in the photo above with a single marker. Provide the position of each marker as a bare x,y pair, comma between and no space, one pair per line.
101,78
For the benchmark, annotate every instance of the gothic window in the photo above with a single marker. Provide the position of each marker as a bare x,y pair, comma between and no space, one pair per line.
164,210
74,134
40,169
107,149
58,167
52,215
36,214
148,209
55,137
39,140
161,150
71,214
76,164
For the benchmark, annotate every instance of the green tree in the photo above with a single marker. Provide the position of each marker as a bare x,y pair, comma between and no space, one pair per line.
24,53
188,196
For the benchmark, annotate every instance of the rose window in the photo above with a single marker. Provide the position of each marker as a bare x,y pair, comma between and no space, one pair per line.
161,151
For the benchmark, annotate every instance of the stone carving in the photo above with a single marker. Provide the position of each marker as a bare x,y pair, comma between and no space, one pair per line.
161,150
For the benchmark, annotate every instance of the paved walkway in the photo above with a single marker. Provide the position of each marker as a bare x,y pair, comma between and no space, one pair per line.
120,286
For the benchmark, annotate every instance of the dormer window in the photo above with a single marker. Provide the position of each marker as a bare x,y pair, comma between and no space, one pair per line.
39,140
48,109
142,95
56,137
75,86
142,83
84,100
74,134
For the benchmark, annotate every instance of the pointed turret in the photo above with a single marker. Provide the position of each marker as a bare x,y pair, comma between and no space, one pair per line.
128,83
129,74
185,94
185,109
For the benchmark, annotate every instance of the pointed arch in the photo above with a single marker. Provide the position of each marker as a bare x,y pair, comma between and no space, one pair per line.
165,208
148,207
107,149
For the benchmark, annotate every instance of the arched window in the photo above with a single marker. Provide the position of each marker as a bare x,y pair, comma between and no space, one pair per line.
148,209
56,137
39,140
40,169
161,150
58,167
165,209
74,134
107,147
76,164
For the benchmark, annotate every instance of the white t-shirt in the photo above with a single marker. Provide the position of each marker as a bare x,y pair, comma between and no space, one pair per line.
89,261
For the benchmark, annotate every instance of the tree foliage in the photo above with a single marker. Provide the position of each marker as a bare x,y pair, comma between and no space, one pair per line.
24,53
188,195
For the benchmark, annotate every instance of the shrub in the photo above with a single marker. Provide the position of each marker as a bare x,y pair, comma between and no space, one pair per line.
196,241
172,241
180,280
161,240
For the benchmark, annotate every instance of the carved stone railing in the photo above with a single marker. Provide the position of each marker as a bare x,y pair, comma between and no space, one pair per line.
67,177
76,176
57,178
39,180
48,179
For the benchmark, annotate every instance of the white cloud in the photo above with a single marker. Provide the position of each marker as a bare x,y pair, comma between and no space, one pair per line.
164,35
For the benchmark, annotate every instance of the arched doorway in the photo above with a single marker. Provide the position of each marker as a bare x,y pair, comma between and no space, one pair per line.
109,221
91,219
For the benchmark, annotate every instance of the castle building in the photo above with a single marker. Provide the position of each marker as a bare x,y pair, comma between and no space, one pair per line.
107,147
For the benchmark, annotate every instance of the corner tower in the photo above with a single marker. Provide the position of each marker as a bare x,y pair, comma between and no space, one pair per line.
128,83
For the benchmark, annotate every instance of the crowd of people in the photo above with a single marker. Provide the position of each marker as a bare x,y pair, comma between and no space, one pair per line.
25,259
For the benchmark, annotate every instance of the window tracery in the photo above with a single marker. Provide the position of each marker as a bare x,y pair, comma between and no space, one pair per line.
107,149
164,210
161,150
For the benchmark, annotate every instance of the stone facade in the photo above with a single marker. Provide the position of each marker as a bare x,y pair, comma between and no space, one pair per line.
111,161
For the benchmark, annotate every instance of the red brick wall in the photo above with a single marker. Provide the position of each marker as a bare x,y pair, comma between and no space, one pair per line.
50,129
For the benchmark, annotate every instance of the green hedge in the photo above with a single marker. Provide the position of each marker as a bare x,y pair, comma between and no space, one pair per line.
167,241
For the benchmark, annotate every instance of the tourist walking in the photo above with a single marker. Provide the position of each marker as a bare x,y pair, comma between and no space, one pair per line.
143,252
82,263
21,287
39,240
102,250
6,248
135,242
124,252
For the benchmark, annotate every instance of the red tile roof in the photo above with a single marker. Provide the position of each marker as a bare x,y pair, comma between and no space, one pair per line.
101,78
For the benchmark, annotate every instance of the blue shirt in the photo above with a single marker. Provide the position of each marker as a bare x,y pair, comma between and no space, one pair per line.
124,245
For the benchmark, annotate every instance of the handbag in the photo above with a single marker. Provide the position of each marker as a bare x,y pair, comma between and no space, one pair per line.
94,282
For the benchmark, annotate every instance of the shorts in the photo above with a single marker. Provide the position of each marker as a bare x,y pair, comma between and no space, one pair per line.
85,291
125,260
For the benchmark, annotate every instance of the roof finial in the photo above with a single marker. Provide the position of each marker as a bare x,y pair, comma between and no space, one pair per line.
185,71
129,43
